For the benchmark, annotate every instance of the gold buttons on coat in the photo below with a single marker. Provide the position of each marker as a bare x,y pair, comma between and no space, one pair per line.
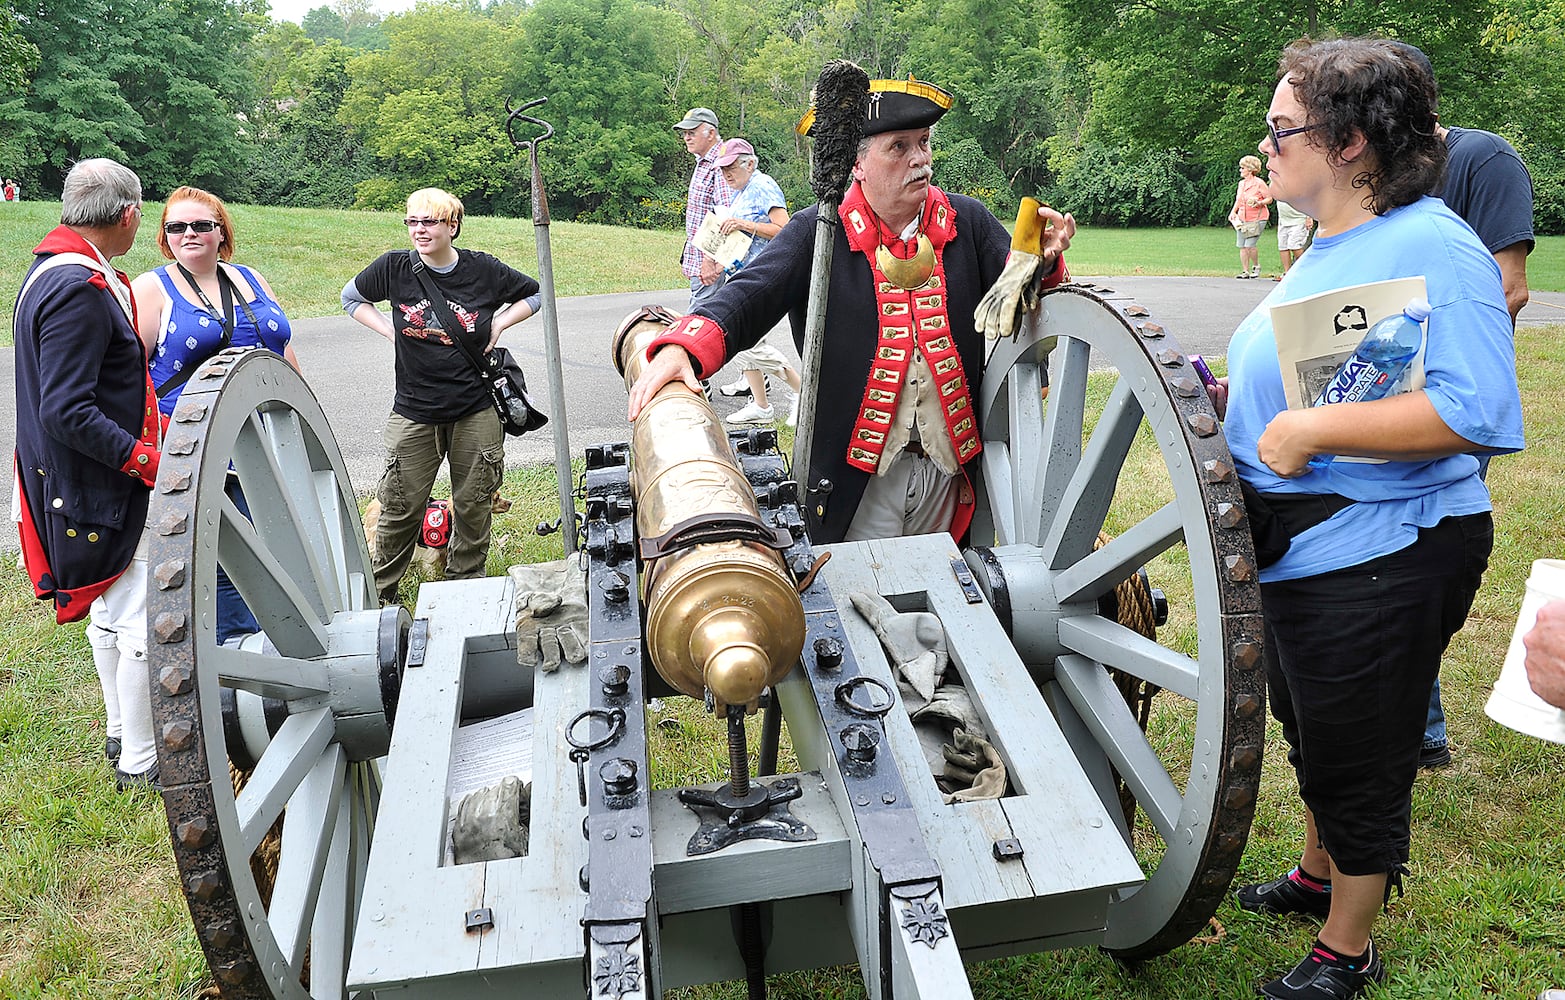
92,536
70,532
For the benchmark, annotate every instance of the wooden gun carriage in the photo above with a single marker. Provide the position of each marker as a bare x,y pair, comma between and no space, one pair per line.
348,723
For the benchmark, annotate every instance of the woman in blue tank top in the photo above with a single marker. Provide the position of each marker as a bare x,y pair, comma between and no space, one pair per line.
200,303
194,307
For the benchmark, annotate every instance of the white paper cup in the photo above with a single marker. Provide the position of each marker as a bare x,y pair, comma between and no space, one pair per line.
1513,703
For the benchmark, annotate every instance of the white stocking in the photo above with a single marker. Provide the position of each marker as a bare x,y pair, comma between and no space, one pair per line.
106,659
137,753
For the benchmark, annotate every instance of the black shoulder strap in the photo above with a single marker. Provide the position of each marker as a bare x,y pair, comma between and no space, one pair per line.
448,322
225,322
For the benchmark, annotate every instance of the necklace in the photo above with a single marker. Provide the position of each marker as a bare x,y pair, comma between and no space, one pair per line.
911,273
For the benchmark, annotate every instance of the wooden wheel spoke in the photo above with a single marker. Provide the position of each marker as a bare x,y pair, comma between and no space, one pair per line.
1055,465
281,677
1102,709
331,931
1083,504
309,834
1025,434
996,461
288,616
299,743
279,516
1114,645
1096,573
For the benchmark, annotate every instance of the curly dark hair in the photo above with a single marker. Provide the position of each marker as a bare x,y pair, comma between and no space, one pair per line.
1372,87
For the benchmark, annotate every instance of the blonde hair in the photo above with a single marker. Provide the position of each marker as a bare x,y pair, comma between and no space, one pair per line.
1250,163
225,249
436,203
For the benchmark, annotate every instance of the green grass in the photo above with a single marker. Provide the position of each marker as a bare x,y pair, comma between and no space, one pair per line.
308,254
90,905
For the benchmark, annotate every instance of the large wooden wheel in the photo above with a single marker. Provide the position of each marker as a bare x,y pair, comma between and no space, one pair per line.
305,707
1055,473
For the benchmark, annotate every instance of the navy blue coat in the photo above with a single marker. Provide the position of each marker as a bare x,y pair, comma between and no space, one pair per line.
86,431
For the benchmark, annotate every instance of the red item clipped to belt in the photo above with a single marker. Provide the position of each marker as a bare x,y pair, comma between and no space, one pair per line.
437,524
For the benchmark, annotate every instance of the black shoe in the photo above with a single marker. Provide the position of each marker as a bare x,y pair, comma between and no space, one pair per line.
111,750
1285,894
146,779
1435,756
1324,976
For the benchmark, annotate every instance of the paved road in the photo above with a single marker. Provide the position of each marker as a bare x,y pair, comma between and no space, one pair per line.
349,368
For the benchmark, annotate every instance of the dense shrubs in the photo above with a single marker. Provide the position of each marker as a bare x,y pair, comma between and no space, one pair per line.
1160,188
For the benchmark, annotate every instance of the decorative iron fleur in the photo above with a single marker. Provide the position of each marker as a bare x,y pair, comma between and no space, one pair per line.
617,974
923,920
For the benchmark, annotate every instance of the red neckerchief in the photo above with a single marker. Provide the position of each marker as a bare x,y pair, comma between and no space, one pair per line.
908,318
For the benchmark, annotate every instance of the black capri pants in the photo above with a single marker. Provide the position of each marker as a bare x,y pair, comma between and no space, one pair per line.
1351,657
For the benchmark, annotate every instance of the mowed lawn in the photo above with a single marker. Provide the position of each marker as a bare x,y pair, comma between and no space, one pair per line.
307,254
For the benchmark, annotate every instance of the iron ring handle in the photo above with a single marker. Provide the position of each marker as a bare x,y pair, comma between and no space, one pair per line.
615,717
844,695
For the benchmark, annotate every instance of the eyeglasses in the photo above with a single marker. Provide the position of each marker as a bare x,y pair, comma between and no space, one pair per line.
1279,134
201,226
426,223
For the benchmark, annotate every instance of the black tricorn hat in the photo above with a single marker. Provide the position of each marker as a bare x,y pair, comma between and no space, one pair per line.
895,105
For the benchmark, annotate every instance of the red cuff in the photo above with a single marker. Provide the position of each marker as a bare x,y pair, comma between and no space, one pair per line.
1059,275
142,464
701,337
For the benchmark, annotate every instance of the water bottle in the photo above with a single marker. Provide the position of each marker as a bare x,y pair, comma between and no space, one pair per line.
1380,358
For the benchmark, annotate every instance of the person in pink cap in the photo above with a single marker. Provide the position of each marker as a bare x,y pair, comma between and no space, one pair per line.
760,211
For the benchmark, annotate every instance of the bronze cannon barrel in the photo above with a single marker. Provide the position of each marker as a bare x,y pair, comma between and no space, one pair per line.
722,612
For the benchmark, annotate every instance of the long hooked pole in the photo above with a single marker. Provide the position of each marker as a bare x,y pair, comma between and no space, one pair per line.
551,321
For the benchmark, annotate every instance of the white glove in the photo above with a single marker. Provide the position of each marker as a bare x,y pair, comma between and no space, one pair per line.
551,613
491,823
914,640
999,313
973,768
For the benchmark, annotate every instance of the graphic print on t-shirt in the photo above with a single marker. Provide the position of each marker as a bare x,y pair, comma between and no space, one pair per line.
419,321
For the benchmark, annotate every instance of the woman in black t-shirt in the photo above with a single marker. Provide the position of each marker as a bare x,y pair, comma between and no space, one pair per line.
441,410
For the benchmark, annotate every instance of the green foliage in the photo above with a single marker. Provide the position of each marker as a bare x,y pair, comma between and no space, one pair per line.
1106,186
157,85
966,169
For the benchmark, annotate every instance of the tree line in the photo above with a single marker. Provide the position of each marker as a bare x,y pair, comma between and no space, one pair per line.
1129,112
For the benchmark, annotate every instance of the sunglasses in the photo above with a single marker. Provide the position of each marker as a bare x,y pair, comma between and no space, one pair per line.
426,223
203,226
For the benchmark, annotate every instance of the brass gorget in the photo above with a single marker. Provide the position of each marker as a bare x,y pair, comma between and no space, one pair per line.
911,273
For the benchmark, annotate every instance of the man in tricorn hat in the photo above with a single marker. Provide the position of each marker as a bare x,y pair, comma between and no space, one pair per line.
896,429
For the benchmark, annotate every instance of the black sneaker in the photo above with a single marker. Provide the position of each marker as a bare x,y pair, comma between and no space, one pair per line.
146,779
1324,976
111,750
1286,894
1438,755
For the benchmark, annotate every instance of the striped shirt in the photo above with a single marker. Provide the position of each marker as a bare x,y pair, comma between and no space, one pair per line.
707,191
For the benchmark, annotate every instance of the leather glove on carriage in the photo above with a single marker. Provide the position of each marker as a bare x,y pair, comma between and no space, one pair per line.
551,613
999,313
914,640
974,769
491,823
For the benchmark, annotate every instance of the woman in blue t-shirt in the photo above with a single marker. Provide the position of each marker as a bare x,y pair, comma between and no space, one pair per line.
760,210
1377,563
188,310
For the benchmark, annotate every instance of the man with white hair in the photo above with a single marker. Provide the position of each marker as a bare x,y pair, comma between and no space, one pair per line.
895,432
87,446
707,192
